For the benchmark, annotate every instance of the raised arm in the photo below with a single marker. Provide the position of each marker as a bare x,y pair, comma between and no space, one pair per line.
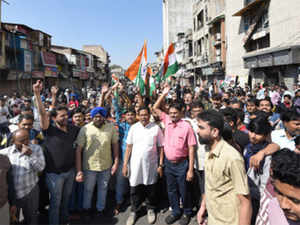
44,118
161,98
54,91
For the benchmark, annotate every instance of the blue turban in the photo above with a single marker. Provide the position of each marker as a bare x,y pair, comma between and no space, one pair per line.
98,110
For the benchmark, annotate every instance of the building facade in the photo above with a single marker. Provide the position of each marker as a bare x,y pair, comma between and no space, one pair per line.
209,39
268,33
177,18
27,54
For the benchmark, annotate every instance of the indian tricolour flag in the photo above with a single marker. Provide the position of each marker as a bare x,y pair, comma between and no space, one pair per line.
155,79
170,63
138,70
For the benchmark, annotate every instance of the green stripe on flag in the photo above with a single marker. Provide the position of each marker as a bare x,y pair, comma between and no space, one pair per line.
171,70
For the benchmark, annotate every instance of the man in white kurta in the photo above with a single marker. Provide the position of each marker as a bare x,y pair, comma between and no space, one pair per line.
144,148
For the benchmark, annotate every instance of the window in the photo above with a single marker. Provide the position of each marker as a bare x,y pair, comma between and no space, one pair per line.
200,20
263,23
190,49
199,48
260,43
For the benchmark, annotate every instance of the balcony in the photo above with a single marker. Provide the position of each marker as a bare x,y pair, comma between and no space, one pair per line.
250,5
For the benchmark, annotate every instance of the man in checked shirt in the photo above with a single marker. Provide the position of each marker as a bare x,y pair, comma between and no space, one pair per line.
27,161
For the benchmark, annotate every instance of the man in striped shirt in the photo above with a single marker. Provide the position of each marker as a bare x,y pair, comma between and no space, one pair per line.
27,161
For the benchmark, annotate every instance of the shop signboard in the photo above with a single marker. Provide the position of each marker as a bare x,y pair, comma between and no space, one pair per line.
84,75
50,71
76,73
48,59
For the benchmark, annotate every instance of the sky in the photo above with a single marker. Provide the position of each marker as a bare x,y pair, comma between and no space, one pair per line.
120,26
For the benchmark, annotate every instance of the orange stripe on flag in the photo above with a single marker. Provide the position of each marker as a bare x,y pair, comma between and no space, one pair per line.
133,70
166,61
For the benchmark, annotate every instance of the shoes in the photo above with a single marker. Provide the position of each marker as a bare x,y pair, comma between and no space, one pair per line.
99,215
117,209
131,219
151,216
185,219
86,216
171,219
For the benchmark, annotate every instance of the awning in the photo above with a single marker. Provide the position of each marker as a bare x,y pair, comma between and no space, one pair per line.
216,19
251,6
38,74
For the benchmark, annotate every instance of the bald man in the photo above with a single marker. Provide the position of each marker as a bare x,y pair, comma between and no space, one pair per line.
27,161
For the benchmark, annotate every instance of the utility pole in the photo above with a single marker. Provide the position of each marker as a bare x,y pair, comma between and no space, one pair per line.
1,8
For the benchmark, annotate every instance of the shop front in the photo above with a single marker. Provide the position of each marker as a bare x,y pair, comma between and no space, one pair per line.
278,66
213,71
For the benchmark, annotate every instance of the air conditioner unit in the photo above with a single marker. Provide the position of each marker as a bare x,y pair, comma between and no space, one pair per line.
218,36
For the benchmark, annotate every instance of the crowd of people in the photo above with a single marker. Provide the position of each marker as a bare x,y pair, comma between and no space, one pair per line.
227,155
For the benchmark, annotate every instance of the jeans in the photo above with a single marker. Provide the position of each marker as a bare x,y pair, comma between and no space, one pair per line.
30,205
44,193
76,200
90,180
198,187
178,187
122,184
60,188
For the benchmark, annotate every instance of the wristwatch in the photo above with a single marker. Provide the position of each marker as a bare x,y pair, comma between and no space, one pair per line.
162,166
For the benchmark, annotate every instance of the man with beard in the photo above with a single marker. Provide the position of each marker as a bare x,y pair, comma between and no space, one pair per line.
59,153
188,99
227,198
280,203
97,143
284,138
78,117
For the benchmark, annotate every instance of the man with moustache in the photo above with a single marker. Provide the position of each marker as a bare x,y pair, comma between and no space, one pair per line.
97,142
227,197
27,160
280,203
284,138
144,154
179,149
59,150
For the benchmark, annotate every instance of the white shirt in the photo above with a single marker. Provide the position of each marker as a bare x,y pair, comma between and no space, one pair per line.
144,156
3,118
279,137
200,151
